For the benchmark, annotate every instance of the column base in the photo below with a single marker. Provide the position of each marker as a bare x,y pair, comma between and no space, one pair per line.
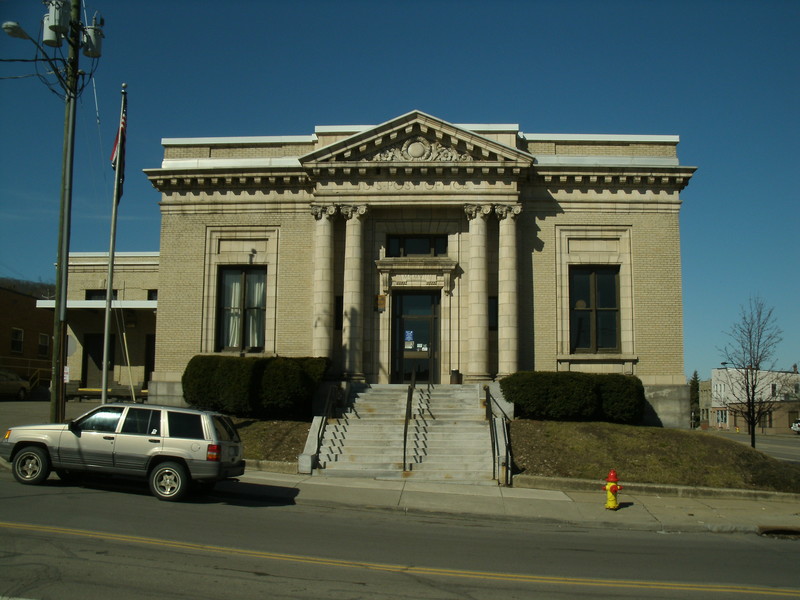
357,377
477,378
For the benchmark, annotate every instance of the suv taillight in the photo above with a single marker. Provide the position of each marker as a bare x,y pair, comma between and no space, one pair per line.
214,452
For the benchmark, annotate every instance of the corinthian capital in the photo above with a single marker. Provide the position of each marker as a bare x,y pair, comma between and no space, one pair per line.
477,210
507,210
349,211
323,211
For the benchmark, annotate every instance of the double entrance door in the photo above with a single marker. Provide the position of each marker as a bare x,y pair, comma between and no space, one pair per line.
415,336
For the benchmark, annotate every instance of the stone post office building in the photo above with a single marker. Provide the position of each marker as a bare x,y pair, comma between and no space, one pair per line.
459,252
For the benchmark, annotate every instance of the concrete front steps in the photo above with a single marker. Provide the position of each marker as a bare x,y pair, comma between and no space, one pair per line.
448,436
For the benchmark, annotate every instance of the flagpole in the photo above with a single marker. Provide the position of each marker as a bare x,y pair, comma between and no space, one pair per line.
118,158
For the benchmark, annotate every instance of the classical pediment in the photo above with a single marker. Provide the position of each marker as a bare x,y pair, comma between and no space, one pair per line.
415,140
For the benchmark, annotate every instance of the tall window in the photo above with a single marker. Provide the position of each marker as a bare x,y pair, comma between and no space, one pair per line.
242,308
44,344
594,309
416,245
17,340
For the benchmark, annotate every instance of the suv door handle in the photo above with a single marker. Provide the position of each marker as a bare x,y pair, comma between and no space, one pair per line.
154,441
108,437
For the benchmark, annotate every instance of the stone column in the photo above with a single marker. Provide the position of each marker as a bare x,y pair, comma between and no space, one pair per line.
507,302
478,293
324,302
352,329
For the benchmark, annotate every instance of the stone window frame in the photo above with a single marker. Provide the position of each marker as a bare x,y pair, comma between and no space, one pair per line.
587,245
243,246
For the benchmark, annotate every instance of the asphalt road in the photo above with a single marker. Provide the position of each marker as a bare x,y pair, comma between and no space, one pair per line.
783,447
111,539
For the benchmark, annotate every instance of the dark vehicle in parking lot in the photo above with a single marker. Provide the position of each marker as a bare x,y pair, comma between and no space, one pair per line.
168,446
12,385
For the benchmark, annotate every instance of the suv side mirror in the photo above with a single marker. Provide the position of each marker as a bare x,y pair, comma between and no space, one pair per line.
74,427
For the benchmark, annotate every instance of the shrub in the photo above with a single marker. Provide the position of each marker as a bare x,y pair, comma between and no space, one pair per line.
286,390
621,398
545,395
315,368
227,384
571,396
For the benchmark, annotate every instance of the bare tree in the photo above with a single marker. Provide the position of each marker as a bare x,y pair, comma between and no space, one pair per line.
748,355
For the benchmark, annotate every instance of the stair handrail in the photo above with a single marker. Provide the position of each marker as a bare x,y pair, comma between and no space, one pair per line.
409,398
501,466
333,395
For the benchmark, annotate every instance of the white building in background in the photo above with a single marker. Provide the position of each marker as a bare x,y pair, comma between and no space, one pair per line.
780,388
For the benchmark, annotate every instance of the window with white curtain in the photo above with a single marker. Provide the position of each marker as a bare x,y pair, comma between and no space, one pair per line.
242,308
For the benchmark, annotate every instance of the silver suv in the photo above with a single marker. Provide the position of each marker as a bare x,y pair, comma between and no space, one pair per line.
171,447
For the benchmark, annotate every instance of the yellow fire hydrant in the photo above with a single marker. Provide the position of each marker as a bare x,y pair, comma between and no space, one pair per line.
612,487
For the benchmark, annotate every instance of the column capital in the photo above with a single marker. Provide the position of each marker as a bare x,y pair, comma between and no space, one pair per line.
477,210
350,211
319,211
507,210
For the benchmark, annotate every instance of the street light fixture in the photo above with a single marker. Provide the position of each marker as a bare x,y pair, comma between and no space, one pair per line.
62,22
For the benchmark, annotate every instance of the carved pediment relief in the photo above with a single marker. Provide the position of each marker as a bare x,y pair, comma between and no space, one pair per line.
415,139
417,149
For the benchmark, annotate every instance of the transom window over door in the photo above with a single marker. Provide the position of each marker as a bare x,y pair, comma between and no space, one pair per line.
594,309
242,308
416,245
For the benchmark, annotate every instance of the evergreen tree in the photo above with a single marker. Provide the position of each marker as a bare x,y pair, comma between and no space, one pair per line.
694,399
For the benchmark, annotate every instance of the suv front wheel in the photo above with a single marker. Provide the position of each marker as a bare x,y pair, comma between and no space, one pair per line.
31,465
169,481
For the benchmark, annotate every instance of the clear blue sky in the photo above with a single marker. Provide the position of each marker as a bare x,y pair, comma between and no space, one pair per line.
724,75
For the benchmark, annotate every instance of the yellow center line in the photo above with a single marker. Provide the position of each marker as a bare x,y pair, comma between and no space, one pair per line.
331,562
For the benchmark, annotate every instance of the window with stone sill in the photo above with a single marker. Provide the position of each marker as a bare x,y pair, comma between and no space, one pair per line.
594,309
242,305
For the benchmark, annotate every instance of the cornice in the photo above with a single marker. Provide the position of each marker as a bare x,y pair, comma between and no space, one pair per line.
415,170
182,180
673,178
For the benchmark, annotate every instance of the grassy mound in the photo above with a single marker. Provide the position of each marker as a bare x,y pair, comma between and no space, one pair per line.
588,451
645,455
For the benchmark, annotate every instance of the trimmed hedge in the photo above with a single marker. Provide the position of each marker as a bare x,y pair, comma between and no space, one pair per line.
572,396
275,388
622,398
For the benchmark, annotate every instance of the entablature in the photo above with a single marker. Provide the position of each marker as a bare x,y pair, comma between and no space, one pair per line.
185,181
671,178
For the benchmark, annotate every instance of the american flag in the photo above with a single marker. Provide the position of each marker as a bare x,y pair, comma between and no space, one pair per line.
118,153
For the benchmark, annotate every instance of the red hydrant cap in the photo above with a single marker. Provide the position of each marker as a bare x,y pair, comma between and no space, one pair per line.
612,476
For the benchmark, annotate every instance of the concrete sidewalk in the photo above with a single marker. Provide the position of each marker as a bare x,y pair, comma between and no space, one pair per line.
723,512
578,502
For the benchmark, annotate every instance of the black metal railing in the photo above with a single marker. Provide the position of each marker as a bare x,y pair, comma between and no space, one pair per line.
501,446
331,401
409,398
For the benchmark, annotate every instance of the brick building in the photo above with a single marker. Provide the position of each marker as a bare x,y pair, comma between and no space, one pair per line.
452,251
25,334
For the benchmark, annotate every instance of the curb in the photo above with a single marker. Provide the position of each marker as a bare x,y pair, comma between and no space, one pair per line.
650,489
567,484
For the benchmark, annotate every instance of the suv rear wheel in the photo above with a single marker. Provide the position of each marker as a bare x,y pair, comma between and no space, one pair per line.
31,465
169,481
